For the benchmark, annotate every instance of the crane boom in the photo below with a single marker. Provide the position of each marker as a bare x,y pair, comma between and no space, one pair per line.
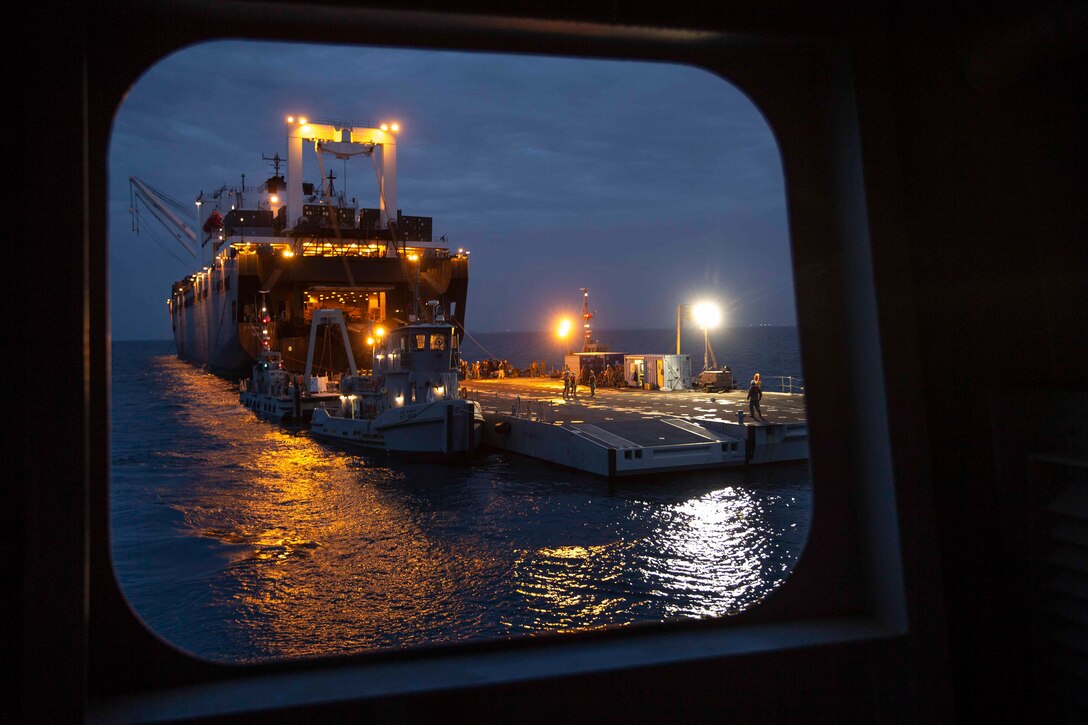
173,223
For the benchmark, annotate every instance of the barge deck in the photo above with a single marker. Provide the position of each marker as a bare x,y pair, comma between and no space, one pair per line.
628,431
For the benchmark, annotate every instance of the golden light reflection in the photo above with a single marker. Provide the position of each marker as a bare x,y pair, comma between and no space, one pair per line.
561,585
319,563
305,550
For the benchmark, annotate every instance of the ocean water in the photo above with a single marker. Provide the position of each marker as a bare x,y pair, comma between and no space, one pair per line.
238,540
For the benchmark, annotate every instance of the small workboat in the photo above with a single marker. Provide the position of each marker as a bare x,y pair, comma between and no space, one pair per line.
410,403
275,394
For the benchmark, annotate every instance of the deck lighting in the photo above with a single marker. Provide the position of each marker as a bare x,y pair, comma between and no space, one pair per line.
302,120
290,119
562,332
707,315
395,127
564,328
385,127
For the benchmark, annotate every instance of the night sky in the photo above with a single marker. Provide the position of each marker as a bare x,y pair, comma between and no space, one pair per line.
650,184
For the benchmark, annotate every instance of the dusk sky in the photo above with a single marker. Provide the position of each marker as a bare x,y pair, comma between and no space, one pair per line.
650,184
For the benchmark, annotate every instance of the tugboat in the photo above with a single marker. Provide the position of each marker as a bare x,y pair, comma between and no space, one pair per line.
411,403
275,394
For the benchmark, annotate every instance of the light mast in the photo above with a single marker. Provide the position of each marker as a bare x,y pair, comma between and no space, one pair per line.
587,340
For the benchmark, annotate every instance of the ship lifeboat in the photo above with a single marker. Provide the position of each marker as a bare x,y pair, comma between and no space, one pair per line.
213,222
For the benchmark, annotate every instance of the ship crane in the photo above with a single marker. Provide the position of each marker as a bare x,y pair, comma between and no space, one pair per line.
162,207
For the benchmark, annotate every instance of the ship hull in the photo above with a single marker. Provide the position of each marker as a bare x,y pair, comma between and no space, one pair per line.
219,314
452,429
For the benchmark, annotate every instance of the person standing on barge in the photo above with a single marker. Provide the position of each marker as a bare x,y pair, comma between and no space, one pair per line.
754,396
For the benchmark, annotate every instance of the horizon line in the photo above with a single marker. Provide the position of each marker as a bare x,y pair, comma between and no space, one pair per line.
490,332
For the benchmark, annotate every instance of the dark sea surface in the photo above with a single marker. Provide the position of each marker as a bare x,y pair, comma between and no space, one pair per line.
239,540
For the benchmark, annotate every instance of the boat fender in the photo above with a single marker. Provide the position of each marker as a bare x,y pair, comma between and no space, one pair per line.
502,427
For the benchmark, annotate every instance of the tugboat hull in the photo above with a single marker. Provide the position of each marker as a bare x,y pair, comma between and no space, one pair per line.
452,428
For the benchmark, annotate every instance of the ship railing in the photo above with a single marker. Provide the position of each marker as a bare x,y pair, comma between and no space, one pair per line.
535,409
789,384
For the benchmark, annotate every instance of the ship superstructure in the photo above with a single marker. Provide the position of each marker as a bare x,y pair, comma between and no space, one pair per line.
271,254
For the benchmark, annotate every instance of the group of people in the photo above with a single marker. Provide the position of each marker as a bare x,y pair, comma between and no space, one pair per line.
610,376
570,383
487,369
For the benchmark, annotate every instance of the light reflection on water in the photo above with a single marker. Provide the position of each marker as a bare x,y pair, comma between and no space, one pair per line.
237,540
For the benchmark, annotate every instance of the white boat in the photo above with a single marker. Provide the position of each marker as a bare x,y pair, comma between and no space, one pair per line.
411,402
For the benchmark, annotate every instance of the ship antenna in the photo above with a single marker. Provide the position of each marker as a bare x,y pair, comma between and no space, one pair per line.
276,161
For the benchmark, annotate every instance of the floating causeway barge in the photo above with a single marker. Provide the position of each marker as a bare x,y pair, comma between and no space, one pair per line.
626,432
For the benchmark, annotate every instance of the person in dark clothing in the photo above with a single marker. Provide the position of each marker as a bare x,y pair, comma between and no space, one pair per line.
754,396
592,384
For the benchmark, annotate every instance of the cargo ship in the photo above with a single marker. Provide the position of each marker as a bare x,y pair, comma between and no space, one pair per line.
268,255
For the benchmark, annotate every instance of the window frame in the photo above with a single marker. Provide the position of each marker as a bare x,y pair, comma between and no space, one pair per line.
848,586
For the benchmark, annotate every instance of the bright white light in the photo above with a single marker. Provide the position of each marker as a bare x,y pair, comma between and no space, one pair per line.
395,127
707,315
